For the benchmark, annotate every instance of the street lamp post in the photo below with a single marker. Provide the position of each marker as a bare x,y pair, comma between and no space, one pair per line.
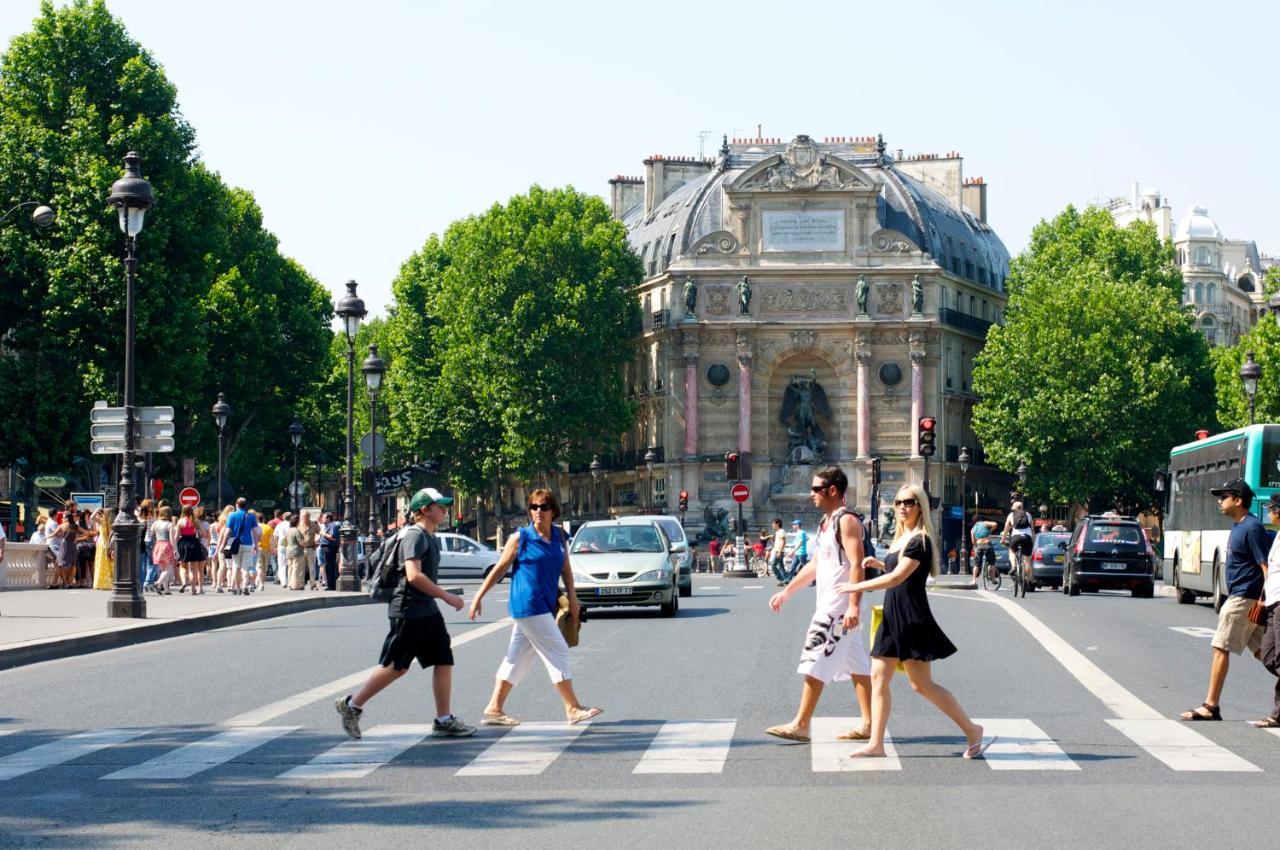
14,466
295,437
1022,482
350,309
1250,372
964,507
42,216
649,458
373,369
221,411
595,480
131,196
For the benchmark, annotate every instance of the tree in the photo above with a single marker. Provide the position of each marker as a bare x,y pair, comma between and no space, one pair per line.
1264,341
509,336
1098,371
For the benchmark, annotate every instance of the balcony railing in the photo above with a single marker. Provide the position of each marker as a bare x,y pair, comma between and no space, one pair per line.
964,321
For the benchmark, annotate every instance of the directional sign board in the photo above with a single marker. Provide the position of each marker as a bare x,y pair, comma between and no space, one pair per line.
144,445
740,492
113,415
142,430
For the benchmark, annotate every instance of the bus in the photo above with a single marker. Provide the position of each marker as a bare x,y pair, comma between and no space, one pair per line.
1195,531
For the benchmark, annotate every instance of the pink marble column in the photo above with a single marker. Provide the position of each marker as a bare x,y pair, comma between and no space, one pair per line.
864,403
691,405
917,399
744,402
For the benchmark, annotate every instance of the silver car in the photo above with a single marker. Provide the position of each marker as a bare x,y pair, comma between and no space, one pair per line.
624,563
674,531
463,557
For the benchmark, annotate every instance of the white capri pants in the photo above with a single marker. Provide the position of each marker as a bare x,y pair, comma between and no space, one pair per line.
535,636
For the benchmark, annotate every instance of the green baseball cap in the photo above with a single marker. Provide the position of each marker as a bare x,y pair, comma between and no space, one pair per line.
426,497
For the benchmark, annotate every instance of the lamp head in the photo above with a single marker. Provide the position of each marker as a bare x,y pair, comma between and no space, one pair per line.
964,459
373,368
350,309
221,411
1250,372
131,195
295,432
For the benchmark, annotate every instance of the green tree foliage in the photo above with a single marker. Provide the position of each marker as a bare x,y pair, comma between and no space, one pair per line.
509,336
1098,371
1264,341
218,309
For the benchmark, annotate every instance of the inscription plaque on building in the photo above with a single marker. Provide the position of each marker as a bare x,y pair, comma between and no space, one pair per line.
803,230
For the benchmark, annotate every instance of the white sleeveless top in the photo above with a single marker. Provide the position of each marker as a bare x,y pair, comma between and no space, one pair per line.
833,569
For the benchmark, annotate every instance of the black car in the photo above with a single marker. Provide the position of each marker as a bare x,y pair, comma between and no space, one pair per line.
1109,552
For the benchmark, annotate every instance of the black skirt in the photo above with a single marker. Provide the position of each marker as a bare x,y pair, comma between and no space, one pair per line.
191,550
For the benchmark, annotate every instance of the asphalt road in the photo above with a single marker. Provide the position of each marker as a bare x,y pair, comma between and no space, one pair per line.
1082,690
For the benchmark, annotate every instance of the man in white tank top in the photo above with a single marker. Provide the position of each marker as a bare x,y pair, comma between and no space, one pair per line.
833,647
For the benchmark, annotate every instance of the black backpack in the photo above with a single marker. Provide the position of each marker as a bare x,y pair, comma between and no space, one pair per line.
385,569
1021,519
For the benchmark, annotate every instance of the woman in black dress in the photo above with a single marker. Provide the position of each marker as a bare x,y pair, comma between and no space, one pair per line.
908,632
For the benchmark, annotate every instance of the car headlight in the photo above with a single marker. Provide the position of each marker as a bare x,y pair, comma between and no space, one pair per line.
579,578
653,575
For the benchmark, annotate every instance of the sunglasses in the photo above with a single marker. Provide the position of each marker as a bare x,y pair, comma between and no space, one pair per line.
539,507
905,503
1222,496
818,488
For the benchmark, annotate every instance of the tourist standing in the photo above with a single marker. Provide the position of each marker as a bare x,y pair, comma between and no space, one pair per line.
310,541
191,552
163,552
240,533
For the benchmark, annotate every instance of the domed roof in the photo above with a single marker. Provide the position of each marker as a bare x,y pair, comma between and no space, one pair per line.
1196,224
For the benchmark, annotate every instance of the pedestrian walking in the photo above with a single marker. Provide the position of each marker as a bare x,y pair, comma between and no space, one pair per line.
238,544
330,538
777,553
1271,618
264,549
833,649
66,538
104,562
713,554
203,568
908,633
1246,569
417,628
191,552
800,552
294,553
538,557
310,540
160,536
146,514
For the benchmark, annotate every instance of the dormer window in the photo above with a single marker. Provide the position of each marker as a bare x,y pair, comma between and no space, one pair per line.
1203,256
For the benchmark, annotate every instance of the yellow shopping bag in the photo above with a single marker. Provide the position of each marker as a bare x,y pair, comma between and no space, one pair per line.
877,616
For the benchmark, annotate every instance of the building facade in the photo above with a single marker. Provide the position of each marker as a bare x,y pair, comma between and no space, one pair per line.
804,303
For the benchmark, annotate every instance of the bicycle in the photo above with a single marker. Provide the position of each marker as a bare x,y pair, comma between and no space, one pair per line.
991,575
759,565
1020,572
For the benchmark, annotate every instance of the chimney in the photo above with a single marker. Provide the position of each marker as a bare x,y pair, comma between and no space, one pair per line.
975,197
625,193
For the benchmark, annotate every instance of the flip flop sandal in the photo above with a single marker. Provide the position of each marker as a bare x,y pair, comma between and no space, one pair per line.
498,720
854,735
1212,713
975,751
787,733
587,714
1265,723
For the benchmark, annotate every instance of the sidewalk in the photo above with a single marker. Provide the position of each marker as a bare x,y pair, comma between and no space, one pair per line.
40,625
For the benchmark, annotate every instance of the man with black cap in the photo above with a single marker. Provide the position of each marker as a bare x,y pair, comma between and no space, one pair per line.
417,626
1246,569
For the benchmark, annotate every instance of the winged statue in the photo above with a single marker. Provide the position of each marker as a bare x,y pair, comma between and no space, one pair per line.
803,404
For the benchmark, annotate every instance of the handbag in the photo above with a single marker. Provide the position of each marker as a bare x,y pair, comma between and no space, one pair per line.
565,622
233,545
1258,613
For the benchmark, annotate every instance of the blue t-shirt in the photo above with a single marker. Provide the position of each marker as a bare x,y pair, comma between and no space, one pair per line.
243,522
1246,549
535,575
802,543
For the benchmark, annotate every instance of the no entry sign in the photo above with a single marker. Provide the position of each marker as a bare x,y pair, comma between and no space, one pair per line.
740,492
189,497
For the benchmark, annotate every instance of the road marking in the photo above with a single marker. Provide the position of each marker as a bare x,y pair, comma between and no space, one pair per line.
527,750
710,587
270,712
202,755
1022,745
9,731
64,750
1177,745
1180,747
1275,732
689,746
354,759
754,587
831,756
1195,631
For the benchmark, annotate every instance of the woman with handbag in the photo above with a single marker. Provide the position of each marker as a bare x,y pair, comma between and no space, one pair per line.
538,557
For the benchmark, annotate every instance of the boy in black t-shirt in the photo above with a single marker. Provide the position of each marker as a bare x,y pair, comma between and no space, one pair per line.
417,626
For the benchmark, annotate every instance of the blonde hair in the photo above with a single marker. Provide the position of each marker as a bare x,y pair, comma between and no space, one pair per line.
902,535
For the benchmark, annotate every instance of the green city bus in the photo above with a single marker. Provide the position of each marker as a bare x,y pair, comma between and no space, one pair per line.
1195,532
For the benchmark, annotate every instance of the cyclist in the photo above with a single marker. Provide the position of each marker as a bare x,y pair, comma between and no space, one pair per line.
980,539
1018,534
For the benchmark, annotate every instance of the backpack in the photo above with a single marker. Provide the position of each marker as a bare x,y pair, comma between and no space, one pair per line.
385,569
1021,519
868,542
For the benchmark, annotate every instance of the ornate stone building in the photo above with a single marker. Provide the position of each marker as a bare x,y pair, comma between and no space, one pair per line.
804,302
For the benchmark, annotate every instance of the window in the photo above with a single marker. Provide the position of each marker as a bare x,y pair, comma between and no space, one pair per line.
1199,292
1203,256
1211,294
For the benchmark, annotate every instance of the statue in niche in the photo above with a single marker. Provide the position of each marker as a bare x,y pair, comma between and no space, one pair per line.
744,297
917,296
862,292
802,404
690,297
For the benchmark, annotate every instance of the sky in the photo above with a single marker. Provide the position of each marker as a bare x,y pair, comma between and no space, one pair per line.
362,128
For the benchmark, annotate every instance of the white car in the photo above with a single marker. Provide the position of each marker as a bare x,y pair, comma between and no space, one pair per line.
463,557
618,563
674,532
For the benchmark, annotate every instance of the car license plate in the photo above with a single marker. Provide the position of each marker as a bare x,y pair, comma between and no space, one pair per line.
615,591
1113,565
1053,559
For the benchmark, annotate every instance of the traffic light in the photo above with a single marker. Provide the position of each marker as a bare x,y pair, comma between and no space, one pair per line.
928,435
731,466
684,501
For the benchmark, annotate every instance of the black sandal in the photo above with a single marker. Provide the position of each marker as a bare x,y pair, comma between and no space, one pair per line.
1212,713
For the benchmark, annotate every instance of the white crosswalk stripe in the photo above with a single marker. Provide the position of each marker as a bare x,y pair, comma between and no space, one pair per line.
8,731
689,746
202,755
1022,745
1275,732
527,750
64,750
353,759
831,756
1181,747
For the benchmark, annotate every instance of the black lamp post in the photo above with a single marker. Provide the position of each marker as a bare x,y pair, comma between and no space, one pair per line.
649,458
1022,482
964,506
1250,372
295,437
350,309
595,480
221,411
131,196
318,457
373,369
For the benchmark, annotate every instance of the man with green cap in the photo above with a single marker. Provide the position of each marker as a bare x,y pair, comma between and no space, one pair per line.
417,626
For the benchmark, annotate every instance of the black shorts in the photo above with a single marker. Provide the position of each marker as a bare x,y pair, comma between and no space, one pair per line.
425,639
1021,543
983,553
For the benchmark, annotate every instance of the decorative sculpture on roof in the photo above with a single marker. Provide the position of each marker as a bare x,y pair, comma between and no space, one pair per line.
802,404
690,297
802,168
744,296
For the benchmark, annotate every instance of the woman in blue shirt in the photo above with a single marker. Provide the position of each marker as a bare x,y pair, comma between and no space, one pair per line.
539,560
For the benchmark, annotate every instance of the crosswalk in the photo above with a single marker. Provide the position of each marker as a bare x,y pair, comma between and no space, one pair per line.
681,746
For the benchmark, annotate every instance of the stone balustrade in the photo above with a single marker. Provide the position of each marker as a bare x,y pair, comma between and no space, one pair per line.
25,565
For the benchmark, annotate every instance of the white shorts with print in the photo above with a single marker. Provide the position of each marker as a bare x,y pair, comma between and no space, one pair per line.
830,653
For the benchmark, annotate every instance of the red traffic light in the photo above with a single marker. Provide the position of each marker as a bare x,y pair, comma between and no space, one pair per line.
684,494
927,423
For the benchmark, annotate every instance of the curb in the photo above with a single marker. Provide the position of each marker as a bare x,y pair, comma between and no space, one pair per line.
50,649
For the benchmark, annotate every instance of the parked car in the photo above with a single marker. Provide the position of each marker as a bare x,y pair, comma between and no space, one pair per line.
625,563
1109,551
674,531
1047,555
464,557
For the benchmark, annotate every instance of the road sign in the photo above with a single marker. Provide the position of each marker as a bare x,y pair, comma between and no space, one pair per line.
142,430
90,501
141,446
189,497
740,492
50,482
366,442
298,490
107,415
